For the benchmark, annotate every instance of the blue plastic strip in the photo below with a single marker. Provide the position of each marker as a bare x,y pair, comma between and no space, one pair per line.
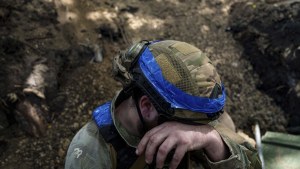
176,97
102,115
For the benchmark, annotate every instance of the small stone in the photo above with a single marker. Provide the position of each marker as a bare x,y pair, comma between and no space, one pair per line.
234,64
66,143
75,126
61,152
50,147
42,154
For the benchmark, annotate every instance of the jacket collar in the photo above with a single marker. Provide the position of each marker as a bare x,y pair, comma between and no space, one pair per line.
130,139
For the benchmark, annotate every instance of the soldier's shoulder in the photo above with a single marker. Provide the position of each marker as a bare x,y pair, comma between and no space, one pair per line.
87,147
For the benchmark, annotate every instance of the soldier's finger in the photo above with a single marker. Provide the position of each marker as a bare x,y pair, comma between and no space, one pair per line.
144,141
164,150
177,157
154,142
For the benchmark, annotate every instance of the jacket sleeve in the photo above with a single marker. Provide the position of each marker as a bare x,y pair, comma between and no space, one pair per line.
88,150
242,154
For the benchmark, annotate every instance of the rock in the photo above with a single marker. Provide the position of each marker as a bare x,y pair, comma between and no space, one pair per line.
75,126
61,153
98,57
66,143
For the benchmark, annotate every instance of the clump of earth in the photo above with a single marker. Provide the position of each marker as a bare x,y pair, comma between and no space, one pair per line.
254,45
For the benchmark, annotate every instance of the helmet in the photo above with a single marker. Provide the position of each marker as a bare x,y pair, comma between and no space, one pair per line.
179,78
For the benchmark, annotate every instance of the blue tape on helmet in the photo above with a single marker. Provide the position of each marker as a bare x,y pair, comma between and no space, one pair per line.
176,97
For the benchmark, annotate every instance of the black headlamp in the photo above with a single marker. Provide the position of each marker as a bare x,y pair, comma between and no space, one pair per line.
125,61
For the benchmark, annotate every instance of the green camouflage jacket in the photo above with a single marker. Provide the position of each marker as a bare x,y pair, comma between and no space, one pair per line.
89,150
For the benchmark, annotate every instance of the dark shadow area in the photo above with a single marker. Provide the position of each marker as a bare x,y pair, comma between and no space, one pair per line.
270,37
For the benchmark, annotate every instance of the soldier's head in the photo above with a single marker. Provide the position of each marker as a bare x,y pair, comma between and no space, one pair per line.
178,79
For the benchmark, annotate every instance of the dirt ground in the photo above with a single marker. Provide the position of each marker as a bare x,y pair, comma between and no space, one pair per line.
255,46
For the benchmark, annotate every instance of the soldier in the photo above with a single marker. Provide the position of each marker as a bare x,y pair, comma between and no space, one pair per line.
166,115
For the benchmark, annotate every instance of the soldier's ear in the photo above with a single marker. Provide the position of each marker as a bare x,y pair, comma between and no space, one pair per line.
148,110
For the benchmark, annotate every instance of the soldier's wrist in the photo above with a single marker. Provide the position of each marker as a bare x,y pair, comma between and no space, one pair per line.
216,149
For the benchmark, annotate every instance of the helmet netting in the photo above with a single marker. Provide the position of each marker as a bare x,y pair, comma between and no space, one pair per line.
186,67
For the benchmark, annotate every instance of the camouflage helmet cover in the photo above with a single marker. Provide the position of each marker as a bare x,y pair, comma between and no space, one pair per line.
183,66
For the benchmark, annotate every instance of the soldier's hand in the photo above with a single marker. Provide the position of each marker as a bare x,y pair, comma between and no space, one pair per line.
182,138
